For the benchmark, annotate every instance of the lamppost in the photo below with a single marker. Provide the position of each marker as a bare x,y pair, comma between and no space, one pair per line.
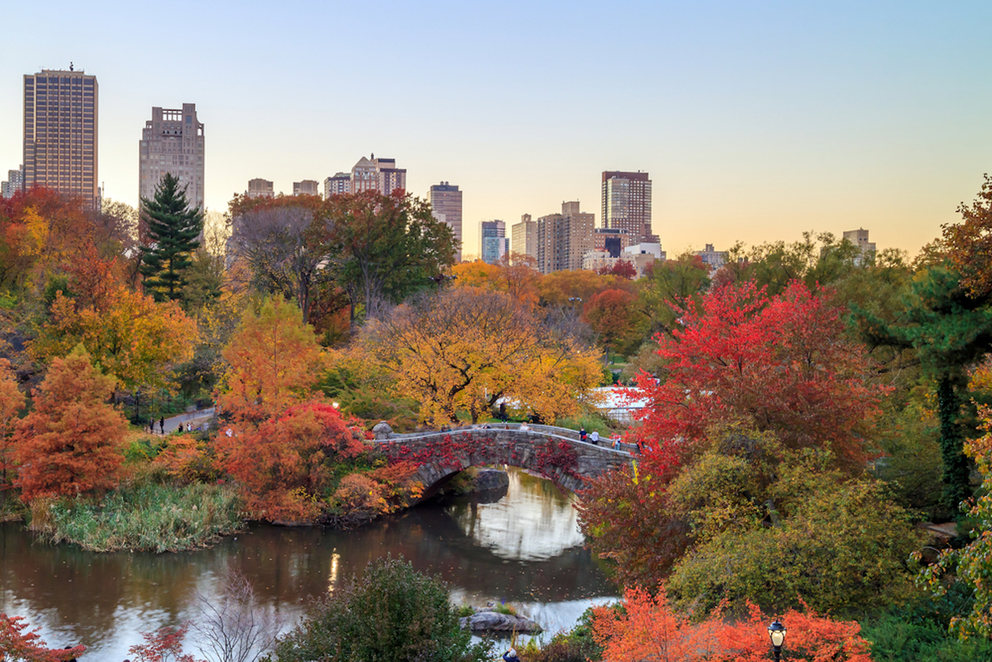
776,631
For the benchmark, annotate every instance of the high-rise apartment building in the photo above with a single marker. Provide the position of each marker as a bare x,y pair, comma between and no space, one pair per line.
13,184
372,174
627,205
60,133
336,185
260,188
859,238
172,142
563,239
306,187
494,241
523,237
446,203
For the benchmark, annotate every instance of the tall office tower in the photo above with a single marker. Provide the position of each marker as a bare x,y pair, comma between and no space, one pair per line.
563,239
523,237
339,183
372,174
627,205
494,241
60,133
260,188
446,203
14,183
306,187
172,142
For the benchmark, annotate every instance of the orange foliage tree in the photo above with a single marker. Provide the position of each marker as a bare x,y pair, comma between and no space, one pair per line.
616,316
11,403
283,463
71,443
649,629
273,360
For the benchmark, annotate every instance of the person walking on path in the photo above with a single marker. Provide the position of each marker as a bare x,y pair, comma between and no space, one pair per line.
582,433
161,424
595,437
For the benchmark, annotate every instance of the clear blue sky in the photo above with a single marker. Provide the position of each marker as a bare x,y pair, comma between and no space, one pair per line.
757,120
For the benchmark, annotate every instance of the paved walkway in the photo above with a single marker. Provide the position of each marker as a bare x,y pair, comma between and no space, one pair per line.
197,418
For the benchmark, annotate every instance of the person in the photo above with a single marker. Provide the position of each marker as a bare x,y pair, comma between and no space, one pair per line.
582,433
151,425
511,656
595,437
161,424
502,411
616,442
524,427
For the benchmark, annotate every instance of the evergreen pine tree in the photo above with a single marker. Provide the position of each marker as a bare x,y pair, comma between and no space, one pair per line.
173,236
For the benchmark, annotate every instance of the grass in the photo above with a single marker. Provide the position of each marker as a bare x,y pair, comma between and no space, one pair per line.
142,517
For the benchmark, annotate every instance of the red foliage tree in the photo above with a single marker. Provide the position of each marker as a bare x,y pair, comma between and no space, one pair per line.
779,364
71,443
16,644
163,645
623,269
11,403
281,463
649,629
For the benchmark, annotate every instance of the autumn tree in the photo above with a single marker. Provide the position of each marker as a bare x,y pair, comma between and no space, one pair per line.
11,403
779,363
286,245
969,243
623,269
463,349
273,359
669,286
70,444
284,462
614,315
172,238
17,644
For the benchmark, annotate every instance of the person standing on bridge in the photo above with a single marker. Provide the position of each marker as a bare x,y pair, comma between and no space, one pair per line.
582,433
595,437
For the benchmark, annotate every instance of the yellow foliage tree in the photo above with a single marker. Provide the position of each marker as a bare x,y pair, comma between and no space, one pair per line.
464,349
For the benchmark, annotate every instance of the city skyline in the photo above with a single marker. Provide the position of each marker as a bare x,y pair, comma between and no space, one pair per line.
755,123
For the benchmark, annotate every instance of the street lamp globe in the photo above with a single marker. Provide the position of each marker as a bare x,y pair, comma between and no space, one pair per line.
776,631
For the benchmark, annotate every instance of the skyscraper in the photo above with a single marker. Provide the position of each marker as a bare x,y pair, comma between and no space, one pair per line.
172,142
494,241
372,174
336,185
13,184
627,205
260,188
563,239
306,187
523,237
446,203
60,133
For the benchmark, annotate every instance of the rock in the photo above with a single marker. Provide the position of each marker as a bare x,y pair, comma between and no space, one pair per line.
382,430
491,621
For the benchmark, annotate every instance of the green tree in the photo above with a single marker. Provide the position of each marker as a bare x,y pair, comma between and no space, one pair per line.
173,231
393,614
949,330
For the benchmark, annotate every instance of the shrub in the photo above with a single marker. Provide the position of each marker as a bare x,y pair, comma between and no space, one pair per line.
392,614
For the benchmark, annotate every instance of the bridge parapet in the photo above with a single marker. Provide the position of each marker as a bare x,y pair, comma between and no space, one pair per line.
560,457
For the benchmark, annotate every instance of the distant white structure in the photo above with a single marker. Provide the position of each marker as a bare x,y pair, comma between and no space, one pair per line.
172,142
713,258
859,238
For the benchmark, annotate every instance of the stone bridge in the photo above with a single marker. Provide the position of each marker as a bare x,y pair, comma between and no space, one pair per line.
553,452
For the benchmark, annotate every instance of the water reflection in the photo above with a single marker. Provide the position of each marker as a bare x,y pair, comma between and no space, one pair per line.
525,549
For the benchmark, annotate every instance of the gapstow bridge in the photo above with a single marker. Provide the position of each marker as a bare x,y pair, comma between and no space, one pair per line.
556,453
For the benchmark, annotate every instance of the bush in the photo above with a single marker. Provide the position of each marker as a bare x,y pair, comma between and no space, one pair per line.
392,614
895,638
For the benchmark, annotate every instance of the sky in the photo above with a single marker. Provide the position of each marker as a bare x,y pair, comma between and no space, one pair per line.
757,120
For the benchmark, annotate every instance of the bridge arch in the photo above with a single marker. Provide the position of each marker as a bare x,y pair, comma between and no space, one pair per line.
555,453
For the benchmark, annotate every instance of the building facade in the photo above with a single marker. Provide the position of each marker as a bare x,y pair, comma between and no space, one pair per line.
172,142
13,184
627,204
495,243
61,130
306,187
523,237
711,257
260,188
446,204
382,175
859,238
563,239
336,185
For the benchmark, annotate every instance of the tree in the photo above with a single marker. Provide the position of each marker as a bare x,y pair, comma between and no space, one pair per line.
463,349
614,315
623,269
949,330
11,403
286,244
163,645
16,644
272,360
779,363
391,246
669,286
173,231
970,243
283,464
70,444
392,614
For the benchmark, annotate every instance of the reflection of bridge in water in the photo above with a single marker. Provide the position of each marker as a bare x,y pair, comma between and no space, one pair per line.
554,452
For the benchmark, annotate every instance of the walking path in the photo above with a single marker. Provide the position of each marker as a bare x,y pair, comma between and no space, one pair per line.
197,418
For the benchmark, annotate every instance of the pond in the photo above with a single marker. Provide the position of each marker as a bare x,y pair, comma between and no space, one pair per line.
525,549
